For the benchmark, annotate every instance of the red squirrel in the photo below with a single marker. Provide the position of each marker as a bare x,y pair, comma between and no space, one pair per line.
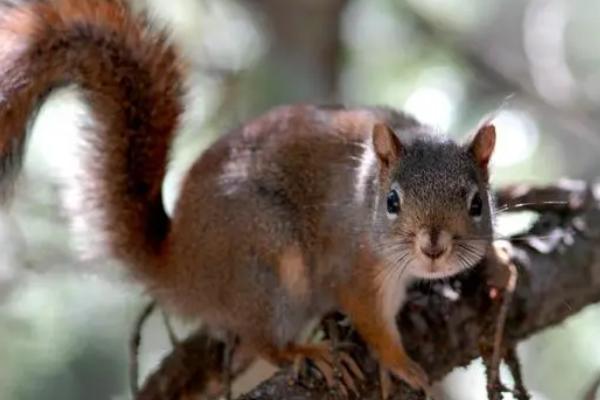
296,213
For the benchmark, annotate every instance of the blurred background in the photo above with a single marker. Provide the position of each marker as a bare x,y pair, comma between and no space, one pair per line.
65,323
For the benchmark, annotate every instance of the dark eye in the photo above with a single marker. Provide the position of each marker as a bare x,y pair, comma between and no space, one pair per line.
476,206
393,202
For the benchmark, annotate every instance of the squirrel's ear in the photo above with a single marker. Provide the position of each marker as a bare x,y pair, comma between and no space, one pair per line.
386,144
481,146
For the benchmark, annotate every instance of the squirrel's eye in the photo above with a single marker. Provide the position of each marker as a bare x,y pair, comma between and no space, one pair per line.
476,206
393,203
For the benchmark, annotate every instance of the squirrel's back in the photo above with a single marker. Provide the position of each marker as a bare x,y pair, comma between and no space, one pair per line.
315,151
130,77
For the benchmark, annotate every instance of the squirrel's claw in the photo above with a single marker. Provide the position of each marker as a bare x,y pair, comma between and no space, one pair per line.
385,383
351,365
337,368
414,375
411,373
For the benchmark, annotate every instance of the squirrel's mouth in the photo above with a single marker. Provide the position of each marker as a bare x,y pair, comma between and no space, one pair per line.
439,254
453,260
433,244
425,267
436,255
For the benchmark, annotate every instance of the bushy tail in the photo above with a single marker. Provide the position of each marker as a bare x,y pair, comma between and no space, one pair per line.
130,77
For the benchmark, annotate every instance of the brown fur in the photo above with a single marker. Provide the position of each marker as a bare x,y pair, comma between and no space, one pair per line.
278,222
293,273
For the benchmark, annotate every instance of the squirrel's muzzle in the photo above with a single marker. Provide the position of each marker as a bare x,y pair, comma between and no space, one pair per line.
433,243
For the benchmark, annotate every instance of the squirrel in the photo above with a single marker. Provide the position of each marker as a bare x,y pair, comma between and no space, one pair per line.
302,210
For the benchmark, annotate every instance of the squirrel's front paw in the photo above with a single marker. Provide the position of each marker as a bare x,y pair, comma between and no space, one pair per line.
409,372
413,374
337,367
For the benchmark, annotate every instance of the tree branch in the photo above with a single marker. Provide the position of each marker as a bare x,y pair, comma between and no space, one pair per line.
183,372
448,325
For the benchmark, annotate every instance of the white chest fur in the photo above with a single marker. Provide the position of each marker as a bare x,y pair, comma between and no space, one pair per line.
392,285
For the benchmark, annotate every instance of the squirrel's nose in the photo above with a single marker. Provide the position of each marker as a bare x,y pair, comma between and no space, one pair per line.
433,252
433,243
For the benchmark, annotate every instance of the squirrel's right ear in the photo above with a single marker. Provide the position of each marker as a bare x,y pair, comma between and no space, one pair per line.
482,144
386,144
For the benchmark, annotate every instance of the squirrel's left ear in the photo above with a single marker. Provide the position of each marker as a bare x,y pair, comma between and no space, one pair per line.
482,144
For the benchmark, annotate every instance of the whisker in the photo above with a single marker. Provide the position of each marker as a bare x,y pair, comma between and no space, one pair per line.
509,207
501,237
406,264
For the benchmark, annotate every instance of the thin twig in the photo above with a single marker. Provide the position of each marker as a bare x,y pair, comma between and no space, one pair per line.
501,322
170,331
228,352
134,347
494,386
512,362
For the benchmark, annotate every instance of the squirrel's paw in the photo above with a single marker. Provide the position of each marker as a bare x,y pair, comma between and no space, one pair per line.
337,367
409,372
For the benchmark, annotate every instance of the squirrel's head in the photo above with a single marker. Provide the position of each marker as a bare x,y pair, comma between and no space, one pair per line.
434,211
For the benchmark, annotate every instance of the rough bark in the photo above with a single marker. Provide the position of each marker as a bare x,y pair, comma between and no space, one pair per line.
446,325
182,373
